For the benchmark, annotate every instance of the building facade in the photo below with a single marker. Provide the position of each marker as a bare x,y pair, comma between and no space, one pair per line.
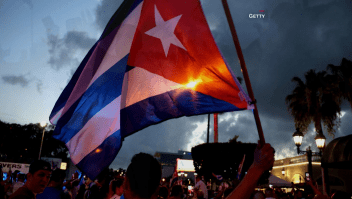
293,169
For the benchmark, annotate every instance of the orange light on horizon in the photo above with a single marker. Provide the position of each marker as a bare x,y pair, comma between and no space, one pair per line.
98,150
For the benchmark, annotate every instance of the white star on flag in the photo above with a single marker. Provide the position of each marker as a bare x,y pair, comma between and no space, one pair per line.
164,30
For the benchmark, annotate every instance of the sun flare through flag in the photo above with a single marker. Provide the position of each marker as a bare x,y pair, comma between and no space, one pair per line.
155,60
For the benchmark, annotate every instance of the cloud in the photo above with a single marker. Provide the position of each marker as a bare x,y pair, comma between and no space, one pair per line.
198,135
78,40
64,52
29,3
3,54
39,86
104,12
50,26
16,80
23,81
293,40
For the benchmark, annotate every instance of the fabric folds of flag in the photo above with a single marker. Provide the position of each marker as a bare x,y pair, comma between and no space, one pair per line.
155,60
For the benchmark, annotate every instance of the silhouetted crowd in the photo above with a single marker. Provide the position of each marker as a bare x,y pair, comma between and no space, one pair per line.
143,181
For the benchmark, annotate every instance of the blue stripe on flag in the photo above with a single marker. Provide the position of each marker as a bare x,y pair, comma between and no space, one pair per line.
172,104
104,90
60,103
99,159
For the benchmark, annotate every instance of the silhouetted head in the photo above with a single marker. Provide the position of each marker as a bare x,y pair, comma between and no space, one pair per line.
142,177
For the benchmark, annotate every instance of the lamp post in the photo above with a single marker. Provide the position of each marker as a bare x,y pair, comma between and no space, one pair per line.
42,124
320,142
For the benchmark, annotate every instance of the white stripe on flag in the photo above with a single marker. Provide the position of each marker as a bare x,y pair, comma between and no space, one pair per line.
140,84
97,129
122,42
56,117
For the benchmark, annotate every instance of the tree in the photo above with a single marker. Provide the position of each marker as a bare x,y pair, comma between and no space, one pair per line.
315,100
21,143
234,139
343,75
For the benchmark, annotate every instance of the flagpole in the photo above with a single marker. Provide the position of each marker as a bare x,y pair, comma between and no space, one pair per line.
215,127
208,128
244,70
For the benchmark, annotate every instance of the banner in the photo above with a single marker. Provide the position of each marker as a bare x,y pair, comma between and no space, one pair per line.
6,166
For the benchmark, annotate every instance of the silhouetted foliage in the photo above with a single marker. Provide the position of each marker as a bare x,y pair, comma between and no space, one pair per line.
343,75
21,143
315,100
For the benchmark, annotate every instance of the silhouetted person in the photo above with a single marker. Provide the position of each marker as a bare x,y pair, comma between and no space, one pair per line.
37,180
163,193
19,183
116,189
54,189
201,188
176,192
142,177
263,161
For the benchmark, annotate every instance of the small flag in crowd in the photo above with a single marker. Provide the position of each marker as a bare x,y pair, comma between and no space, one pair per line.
174,177
155,60
219,177
240,166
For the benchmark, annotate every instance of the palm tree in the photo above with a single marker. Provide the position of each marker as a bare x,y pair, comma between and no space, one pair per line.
315,100
343,74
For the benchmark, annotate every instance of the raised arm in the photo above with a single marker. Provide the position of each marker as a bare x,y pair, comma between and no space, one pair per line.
263,160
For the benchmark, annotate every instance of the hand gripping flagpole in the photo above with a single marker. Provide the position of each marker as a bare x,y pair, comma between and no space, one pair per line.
244,71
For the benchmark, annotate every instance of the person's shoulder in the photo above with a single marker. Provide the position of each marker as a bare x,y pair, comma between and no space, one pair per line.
22,193
115,197
50,192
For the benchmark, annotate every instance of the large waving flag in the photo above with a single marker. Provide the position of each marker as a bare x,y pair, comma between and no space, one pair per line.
155,60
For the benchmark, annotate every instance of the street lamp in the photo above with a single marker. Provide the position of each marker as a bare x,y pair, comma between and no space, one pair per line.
320,142
297,138
43,125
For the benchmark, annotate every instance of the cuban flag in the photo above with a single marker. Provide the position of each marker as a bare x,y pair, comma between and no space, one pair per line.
155,60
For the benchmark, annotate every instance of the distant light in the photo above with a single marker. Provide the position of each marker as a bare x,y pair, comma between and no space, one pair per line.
163,179
43,124
63,165
98,150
